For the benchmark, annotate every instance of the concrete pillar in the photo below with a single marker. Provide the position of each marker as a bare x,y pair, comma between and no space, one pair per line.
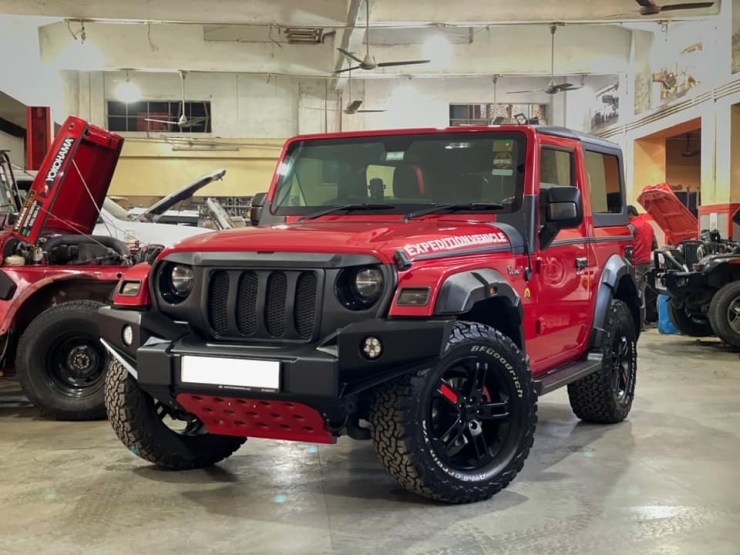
720,175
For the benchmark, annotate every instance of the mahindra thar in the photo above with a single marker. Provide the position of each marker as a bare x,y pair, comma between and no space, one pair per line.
420,288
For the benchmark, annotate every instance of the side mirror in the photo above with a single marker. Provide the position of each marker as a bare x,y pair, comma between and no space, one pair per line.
736,217
255,211
561,208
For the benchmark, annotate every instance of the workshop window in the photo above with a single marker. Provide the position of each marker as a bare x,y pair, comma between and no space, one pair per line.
159,116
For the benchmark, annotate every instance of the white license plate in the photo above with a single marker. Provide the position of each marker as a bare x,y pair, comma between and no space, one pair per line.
235,372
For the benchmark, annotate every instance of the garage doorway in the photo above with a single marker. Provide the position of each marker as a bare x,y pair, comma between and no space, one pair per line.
672,156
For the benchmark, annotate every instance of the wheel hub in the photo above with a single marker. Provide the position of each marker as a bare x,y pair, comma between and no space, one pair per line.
82,360
469,421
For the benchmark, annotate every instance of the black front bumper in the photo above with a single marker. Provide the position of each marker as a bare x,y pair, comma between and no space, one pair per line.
682,286
325,374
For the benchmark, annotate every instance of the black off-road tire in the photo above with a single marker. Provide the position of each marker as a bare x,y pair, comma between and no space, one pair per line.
402,424
49,384
597,398
726,300
691,324
133,415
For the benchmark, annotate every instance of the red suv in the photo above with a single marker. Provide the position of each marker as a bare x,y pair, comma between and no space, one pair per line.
418,287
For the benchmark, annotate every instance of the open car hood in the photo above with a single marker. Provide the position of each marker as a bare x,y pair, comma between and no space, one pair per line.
676,221
71,183
160,207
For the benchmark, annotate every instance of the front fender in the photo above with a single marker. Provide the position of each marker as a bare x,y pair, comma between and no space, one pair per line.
485,296
461,291
138,273
30,281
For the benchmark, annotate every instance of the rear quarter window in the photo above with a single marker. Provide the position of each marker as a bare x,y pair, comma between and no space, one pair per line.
605,185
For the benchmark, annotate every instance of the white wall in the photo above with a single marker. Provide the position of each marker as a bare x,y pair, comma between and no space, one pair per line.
250,106
23,76
241,105
16,147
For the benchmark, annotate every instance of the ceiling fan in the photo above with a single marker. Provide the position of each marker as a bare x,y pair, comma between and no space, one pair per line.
552,87
183,120
648,7
368,62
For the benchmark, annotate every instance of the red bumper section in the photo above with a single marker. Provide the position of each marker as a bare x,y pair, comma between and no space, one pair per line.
257,418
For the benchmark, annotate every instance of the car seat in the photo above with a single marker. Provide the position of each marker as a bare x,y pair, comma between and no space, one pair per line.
408,183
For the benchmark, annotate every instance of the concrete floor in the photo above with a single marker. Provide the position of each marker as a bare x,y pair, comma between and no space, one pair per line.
665,481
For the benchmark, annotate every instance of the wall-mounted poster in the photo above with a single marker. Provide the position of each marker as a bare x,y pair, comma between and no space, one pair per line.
675,81
605,109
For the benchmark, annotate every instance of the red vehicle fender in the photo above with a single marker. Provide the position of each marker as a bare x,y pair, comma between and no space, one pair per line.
138,273
32,279
432,274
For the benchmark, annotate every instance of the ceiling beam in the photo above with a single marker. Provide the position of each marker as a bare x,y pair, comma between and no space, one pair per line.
351,38
308,13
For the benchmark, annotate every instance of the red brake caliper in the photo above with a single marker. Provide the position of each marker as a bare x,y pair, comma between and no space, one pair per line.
448,394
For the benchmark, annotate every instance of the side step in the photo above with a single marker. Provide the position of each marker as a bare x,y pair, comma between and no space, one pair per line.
563,376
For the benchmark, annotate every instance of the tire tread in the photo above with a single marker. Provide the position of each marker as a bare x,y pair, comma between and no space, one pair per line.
130,412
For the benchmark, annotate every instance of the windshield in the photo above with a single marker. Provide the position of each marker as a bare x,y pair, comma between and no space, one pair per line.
402,172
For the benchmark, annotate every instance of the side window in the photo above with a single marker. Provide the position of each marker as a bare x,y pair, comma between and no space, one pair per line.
604,183
556,168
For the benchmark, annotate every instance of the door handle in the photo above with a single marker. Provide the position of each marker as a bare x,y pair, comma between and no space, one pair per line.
581,262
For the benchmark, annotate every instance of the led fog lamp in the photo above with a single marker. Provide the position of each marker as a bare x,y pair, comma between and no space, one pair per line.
371,347
127,335
181,278
367,284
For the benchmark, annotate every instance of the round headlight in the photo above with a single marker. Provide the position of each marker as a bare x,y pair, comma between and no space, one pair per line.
181,278
367,284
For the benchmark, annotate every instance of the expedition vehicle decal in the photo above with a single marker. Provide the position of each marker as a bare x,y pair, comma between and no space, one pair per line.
451,243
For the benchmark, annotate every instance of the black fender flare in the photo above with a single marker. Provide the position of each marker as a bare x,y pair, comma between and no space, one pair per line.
616,268
461,291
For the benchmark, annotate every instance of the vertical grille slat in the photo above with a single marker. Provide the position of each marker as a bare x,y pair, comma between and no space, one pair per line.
263,304
218,295
246,307
276,320
305,305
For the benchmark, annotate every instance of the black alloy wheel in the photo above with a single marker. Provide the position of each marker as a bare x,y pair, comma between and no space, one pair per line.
470,416
622,356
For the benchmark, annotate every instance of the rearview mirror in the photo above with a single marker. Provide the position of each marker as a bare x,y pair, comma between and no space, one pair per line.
561,208
255,211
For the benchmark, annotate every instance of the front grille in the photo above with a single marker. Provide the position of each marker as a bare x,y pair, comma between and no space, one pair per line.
262,304
218,295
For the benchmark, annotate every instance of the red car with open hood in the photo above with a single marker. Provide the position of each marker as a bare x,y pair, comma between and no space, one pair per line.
55,275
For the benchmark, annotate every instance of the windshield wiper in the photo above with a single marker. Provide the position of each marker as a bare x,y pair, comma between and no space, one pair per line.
455,208
345,207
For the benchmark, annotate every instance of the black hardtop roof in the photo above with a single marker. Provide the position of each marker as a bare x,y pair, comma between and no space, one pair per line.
577,135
